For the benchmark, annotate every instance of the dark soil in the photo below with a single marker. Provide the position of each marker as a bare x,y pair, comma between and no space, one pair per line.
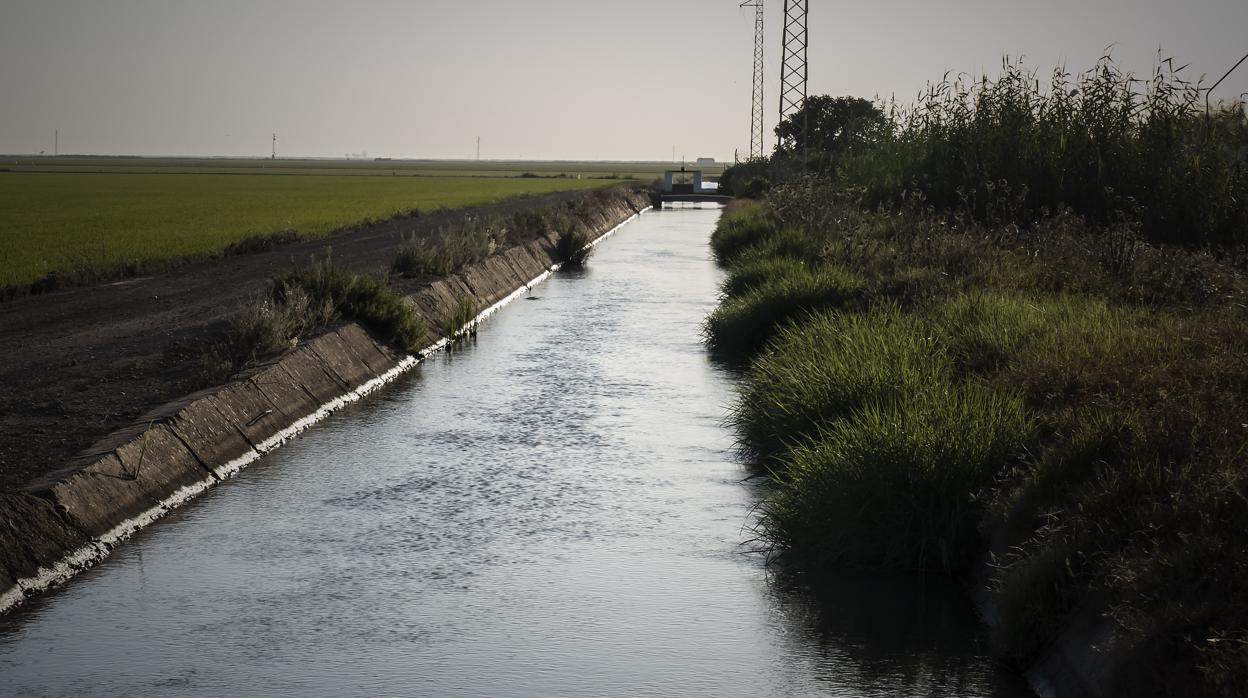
79,364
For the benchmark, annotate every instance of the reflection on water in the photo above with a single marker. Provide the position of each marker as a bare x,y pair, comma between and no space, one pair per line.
551,511
904,636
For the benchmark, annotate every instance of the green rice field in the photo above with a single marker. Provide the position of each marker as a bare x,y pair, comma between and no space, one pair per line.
95,222
358,167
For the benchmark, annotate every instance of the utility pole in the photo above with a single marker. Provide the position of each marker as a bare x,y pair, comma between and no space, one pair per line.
56,143
756,102
793,71
478,148
273,155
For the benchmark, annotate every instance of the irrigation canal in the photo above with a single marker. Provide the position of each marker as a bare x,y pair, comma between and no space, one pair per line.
551,511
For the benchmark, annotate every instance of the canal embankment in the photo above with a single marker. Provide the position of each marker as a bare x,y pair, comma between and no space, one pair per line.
71,516
1052,415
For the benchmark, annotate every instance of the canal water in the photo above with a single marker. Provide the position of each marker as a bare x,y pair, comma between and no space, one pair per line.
553,510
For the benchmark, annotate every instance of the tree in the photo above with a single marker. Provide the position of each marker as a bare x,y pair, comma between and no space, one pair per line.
831,125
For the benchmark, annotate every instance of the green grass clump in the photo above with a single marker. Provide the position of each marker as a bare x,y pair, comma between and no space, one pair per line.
262,329
302,302
365,298
528,224
739,229
791,242
892,483
459,321
825,369
740,327
752,271
109,224
446,252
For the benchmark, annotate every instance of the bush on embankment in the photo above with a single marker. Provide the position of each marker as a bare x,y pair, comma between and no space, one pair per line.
573,247
301,302
1064,402
305,300
448,250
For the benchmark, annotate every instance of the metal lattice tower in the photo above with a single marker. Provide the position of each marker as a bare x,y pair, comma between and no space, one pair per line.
756,108
793,72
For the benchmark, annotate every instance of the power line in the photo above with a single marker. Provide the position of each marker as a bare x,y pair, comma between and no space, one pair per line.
1220,80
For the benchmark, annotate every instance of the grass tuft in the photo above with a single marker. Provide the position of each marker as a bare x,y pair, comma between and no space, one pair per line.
365,298
893,482
446,252
827,368
752,271
739,328
459,321
740,228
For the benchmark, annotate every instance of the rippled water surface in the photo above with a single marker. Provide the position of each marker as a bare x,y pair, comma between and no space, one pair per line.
553,511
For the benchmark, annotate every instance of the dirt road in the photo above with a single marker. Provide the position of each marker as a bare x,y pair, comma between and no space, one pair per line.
79,364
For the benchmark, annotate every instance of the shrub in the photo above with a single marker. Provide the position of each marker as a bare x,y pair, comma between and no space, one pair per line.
573,247
365,298
527,224
446,252
751,178
303,301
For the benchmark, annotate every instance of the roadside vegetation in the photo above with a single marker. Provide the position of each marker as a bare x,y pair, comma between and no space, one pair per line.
447,251
68,229
309,299
1001,334
302,302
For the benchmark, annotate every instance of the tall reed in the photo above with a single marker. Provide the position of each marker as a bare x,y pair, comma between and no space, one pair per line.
1103,143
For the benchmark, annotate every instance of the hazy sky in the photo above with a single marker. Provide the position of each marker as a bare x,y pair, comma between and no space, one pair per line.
557,79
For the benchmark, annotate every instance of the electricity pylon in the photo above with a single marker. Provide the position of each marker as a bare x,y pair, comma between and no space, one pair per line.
756,107
793,71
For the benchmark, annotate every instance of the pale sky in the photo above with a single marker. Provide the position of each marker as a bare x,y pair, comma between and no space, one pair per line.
546,79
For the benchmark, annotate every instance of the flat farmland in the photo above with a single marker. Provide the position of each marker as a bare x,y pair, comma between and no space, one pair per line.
570,169
93,223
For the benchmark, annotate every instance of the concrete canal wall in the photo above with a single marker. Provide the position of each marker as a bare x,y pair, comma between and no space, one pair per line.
70,519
